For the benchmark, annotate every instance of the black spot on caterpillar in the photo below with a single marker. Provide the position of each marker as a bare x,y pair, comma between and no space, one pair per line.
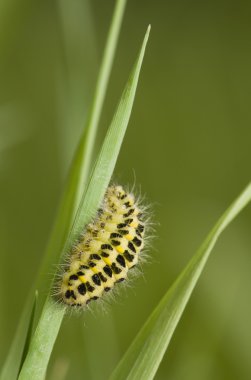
106,251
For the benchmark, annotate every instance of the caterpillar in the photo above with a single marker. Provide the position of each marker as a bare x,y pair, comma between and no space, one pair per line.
108,248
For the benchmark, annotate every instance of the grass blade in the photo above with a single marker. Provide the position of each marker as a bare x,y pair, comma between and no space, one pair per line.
71,196
29,331
20,344
106,161
45,335
81,163
99,96
143,357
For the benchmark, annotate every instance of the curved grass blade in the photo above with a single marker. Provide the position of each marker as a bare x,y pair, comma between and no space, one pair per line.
46,333
80,167
71,197
29,331
21,342
89,139
142,359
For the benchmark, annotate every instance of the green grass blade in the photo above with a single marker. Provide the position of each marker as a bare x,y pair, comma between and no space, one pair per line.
143,357
71,196
21,342
106,161
81,163
99,96
45,335
29,331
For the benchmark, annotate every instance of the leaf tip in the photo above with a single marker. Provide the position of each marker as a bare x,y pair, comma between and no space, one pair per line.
147,32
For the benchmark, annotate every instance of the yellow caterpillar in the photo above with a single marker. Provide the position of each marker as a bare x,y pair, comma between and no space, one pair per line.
108,248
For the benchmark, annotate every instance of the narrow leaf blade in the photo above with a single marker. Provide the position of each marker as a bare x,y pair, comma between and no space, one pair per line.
107,158
71,197
80,167
21,342
29,331
47,330
142,359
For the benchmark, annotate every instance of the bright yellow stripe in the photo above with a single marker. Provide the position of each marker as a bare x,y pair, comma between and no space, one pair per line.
94,269
120,249
107,261
83,279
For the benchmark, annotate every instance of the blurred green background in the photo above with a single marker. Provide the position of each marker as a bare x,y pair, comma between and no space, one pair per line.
188,145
